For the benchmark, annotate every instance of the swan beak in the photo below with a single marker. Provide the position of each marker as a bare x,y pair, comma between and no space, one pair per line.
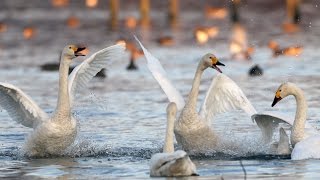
215,66
276,99
77,52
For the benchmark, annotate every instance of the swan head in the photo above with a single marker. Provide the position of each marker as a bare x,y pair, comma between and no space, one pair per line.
210,60
73,51
172,109
283,91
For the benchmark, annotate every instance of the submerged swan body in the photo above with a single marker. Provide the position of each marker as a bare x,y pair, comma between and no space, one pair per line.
306,145
193,129
52,135
170,163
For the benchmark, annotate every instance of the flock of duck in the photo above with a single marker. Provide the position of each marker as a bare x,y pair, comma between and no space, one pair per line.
51,135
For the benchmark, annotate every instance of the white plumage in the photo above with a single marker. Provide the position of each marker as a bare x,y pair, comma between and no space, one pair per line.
170,163
176,163
304,139
193,130
52,135
84,72
160,75
20,106
223,96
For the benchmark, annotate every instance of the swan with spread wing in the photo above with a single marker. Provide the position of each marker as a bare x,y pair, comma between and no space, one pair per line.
51,135
305,140
193,129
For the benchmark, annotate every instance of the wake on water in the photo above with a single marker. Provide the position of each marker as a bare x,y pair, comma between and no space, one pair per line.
230,147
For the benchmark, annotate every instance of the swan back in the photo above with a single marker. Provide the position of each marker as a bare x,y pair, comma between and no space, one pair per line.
172,164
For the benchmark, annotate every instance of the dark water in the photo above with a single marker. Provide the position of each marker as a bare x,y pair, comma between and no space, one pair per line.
122,118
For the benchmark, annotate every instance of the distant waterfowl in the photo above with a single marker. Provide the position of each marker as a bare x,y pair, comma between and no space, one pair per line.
131,22
73,22
60,3
55,67
293,16
288,51
203,34
3,27
193,130
52,135
290,27
165,41
92,3
255,70
170,162
29,32
135,53
234,11
216,12
239,48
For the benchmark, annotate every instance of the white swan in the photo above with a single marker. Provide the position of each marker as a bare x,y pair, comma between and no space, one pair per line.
305,142
52,135
193,130
170,162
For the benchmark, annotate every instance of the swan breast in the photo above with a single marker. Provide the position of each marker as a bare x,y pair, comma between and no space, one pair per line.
51,138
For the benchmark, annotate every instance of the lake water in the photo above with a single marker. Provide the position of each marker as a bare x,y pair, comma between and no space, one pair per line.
122,117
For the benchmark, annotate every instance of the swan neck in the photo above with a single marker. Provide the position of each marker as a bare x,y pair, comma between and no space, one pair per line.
168,144
193,95
300,118
63,105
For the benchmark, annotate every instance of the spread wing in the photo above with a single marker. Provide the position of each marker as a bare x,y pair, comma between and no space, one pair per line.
85,71
224,95
161,76
20,106
269,121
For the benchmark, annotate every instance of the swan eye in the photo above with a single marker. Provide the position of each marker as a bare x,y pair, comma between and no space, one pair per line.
69,47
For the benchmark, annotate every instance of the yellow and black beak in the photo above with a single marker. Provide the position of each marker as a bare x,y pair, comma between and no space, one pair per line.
77,51
276,99
215,64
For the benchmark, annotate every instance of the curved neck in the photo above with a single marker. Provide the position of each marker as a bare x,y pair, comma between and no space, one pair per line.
168,144
297,133
193,95
63,105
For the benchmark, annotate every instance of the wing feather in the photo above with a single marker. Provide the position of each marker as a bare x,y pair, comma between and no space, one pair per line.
222,96
160,75
269,121
85,71
20,107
